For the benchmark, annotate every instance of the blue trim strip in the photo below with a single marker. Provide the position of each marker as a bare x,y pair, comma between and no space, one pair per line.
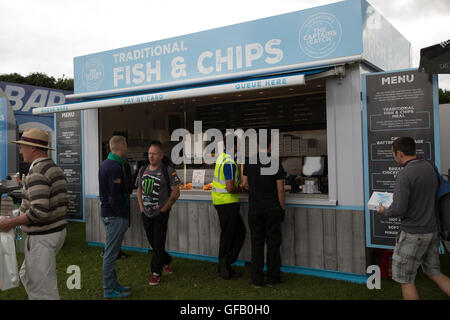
329,274
82,166
357,208
292,205
437,132
366,159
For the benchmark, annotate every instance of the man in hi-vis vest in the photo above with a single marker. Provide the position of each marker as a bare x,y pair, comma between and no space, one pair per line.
225,197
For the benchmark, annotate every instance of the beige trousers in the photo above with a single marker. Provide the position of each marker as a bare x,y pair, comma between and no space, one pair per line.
38,271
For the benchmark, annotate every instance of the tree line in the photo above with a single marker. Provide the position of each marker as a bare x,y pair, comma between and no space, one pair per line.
39,79
444,96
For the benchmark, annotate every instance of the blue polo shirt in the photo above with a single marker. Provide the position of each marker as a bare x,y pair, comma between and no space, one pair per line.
229,169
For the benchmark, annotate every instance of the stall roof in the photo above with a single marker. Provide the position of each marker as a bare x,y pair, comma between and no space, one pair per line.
254,84
345,31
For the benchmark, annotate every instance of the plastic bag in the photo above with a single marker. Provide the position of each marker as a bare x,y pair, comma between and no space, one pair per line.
9,275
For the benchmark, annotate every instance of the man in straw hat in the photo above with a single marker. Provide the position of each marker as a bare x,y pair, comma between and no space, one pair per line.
42,216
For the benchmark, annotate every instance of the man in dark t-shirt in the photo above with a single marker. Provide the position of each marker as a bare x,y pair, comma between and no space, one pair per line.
266,212
158,189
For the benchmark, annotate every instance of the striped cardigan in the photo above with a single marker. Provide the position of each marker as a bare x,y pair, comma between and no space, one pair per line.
44,198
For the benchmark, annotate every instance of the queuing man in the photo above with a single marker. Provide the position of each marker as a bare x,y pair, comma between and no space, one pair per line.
42,216
158,190
414,202
266,212
115,213
225,198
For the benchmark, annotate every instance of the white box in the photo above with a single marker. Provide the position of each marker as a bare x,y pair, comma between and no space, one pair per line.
385,198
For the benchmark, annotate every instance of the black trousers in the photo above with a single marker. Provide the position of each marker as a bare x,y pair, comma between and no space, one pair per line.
232,234
264,220
156,230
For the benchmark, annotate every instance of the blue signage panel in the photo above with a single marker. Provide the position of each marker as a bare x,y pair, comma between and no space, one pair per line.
384,46
3,138
312,35
24,98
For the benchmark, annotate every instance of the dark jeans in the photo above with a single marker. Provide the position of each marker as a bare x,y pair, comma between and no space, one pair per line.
156,230
232,233
264,220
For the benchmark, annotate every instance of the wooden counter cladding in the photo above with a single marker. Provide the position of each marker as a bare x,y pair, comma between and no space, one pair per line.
316,238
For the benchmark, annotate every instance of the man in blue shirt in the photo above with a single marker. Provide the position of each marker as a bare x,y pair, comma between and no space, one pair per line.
115,213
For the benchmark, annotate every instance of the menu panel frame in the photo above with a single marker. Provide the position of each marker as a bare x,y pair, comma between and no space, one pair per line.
69,155
395,104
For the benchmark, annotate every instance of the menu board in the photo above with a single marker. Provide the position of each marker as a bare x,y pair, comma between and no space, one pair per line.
306,112
397,104
69,155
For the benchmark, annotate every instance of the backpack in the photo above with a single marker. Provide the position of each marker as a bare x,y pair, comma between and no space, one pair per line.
443,206
165,164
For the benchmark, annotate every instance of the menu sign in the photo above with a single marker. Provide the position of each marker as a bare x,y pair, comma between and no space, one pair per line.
397,104
68,146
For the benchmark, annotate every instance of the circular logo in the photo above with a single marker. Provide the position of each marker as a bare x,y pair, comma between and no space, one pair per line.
93,73
320,35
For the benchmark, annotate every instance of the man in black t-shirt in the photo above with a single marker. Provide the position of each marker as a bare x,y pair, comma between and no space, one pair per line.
266,212
158,190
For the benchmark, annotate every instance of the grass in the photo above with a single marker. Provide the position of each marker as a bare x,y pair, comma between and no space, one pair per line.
198,280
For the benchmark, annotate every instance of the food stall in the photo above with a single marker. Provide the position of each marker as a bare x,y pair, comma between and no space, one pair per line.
298,73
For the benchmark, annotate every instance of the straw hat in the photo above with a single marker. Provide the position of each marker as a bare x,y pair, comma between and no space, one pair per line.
35,138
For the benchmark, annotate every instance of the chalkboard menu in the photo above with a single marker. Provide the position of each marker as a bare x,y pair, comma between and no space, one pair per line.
295,113
69,155
397,104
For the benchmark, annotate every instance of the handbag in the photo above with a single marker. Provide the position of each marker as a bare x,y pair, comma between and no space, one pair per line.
9,275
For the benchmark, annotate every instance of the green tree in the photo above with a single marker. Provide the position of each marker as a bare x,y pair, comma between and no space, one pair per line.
13,77
64,83
39,79
444,96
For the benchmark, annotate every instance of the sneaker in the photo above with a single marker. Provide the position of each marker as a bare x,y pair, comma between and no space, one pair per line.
102,253
122,289
115,294
154,280
167,269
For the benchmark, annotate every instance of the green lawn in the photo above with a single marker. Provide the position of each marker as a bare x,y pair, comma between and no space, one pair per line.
198,280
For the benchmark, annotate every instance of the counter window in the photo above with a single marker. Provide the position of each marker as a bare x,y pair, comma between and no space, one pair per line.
298,113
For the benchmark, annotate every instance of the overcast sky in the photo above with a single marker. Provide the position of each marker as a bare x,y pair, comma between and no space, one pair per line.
45,35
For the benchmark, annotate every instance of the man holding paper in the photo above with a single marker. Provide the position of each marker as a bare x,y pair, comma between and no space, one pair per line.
414,202
42,216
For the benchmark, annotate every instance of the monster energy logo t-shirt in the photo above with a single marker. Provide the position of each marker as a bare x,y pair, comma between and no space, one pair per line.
154,189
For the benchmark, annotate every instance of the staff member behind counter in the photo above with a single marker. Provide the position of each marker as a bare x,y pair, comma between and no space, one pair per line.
266,212
225,198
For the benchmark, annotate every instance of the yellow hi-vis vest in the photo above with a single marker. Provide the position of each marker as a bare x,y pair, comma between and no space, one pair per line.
219,191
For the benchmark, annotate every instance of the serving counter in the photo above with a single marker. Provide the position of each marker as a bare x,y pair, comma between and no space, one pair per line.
314,236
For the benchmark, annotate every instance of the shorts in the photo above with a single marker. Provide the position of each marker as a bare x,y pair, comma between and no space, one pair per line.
413,250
